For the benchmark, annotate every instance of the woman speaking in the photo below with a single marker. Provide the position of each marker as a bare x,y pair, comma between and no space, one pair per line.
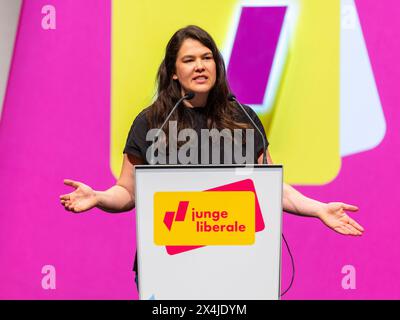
193,97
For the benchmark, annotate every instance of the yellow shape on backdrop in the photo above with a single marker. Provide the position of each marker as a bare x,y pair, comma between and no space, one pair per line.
140,32
304,131
303,128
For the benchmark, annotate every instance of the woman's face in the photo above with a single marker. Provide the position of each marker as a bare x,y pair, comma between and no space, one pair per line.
195,67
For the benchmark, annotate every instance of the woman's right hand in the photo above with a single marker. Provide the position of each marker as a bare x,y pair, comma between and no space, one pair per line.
83,198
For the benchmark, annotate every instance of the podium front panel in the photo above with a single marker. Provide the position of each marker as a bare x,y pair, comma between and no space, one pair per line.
211,271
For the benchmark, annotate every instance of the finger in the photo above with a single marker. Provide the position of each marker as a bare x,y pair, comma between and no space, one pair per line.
355,224
342,230
65,197
353,231
350,207
65,202
69,205
71,183
77,209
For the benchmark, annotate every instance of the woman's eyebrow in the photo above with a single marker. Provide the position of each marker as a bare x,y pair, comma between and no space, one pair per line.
192,56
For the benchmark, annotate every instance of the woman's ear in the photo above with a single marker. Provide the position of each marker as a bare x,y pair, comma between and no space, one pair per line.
175,77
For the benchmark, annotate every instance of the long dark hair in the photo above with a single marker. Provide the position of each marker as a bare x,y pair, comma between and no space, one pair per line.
220,112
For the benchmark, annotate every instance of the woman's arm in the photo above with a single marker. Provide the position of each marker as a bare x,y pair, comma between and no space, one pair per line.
118,198
296,203
331,214
121,196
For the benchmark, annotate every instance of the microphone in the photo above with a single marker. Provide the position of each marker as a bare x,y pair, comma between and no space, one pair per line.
188,96
232,98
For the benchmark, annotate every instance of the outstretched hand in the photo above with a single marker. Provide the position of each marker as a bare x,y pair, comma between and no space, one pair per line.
81,199
334,216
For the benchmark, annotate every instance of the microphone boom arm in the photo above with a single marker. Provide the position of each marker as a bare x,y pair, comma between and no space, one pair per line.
233,98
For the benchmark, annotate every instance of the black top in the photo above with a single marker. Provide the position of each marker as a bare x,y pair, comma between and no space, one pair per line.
137,145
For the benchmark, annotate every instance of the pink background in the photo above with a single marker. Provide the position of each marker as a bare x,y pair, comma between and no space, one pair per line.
56,124
367,179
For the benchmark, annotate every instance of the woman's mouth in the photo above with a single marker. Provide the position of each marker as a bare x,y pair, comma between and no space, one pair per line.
200,79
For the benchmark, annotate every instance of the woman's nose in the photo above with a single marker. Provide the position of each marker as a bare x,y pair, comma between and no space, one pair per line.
199,65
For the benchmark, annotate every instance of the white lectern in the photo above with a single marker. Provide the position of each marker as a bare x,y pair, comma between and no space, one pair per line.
210,272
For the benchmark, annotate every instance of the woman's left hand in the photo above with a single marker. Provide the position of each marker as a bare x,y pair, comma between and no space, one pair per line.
334,216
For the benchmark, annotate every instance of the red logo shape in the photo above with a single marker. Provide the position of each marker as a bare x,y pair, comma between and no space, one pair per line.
180,214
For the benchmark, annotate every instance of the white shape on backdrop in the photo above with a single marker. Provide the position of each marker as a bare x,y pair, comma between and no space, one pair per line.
9,16
362,122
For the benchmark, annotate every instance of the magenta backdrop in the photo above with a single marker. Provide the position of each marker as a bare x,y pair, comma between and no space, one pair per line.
367,179
56,124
